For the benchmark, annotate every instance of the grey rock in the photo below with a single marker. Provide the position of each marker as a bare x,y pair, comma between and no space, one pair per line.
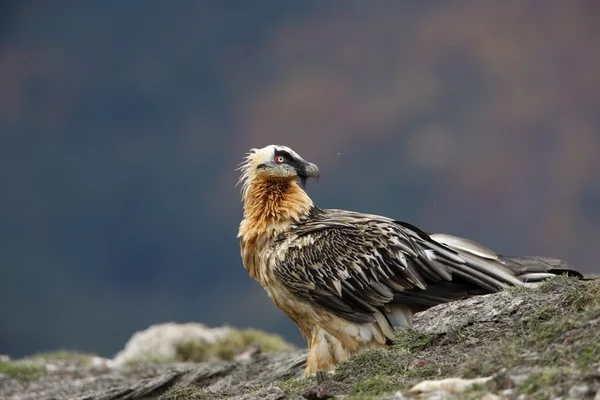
452,316
253,377
148,382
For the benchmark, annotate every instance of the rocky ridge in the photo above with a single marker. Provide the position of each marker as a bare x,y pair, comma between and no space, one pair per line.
541,342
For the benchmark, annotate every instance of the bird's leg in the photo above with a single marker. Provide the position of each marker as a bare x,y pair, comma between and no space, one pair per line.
325,351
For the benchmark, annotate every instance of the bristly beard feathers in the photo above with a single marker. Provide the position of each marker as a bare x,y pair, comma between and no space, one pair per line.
303,180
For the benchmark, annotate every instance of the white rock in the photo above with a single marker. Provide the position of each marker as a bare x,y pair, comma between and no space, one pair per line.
4,357
519,379
160,341
578,391
249,353
439,395
52,367
490,396
396,396
451,385
100,362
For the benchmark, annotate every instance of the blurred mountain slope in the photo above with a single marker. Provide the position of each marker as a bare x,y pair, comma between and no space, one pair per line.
121,125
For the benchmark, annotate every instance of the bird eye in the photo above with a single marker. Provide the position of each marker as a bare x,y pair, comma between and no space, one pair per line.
279,159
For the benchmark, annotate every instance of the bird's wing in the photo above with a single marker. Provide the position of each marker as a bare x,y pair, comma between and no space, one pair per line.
353,264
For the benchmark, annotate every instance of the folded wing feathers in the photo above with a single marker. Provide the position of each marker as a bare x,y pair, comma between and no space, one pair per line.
357,263
467,245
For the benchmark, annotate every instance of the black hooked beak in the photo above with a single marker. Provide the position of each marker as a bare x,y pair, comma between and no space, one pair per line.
308,170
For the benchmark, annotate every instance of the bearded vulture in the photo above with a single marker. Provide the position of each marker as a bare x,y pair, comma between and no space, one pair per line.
347,279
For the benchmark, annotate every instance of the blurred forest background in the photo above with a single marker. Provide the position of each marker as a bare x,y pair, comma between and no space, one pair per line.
122,124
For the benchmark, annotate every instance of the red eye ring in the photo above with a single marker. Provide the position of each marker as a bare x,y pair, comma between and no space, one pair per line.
279,159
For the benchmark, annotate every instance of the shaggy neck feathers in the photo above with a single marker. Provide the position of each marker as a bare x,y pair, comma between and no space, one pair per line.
270,206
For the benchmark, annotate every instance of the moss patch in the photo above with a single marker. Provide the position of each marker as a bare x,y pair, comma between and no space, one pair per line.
22,370
294,387
185,393
34,367
369,363
143,361
63,355
376,385
542,385
411,341
557,334
554,333
229,346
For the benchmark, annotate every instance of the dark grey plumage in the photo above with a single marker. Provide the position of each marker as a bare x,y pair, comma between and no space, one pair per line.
355,264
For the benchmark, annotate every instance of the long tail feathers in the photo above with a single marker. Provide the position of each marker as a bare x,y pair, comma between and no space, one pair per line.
526,269
533,269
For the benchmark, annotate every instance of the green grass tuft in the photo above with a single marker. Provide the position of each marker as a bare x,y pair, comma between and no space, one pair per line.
410,341
33,367
537,385
22,370
577,294
369,363
229,346
376,385
581,297
590,354
185,393
62,355
149,359
294,387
